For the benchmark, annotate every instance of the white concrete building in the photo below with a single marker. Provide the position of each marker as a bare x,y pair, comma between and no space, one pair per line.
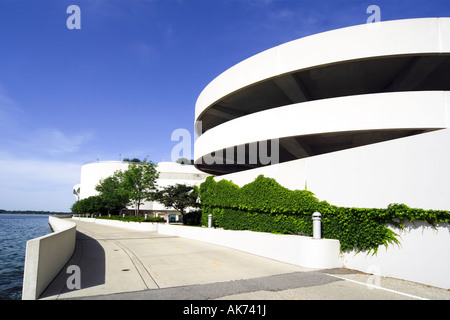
170,173
359,115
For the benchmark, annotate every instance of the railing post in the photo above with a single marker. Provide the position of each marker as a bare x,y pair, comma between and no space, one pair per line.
317,225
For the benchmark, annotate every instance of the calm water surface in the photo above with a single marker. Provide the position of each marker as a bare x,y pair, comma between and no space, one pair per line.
15,231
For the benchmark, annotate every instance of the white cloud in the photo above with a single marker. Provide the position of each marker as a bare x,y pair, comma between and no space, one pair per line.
54,141
142,51
35,173
9,111
18,136
42,142
37,184
17,172
38,166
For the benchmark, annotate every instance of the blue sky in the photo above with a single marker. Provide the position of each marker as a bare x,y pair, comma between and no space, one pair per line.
130,76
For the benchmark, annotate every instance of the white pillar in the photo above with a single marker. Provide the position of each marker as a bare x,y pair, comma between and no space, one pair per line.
317,225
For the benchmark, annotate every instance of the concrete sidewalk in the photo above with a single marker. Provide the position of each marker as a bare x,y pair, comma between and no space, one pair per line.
117,263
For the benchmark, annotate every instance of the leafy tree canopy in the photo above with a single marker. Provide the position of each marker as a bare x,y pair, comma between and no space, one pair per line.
136,160
138,182
132,186
115,198
179,197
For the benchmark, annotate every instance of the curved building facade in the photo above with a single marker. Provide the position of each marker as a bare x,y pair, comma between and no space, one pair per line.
359,115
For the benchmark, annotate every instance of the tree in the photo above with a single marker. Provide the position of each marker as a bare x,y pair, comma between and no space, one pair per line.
179,197
132,160
114,196
132,186
92,204
138,182
76,208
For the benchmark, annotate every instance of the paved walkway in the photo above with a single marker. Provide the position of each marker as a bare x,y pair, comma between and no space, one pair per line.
117,263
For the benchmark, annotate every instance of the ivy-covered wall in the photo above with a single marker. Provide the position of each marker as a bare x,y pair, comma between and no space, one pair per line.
264,205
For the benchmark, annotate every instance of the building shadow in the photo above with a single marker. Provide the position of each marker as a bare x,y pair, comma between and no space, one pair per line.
89,257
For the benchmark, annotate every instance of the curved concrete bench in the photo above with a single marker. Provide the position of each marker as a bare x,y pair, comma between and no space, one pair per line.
46,255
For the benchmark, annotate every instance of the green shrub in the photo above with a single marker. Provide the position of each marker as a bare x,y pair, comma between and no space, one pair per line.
266,206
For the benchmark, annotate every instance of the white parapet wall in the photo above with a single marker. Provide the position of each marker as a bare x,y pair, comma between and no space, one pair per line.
132,225
46,256
422,256
297,250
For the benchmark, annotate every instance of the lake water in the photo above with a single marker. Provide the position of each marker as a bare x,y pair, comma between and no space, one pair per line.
15,231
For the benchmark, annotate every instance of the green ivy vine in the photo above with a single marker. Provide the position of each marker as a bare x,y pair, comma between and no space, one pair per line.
266,206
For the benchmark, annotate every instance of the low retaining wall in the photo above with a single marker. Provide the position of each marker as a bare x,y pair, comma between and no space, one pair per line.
297,250
46,255
138,226
423,256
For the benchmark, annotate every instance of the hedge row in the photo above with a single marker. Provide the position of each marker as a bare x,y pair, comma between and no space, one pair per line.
266,206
